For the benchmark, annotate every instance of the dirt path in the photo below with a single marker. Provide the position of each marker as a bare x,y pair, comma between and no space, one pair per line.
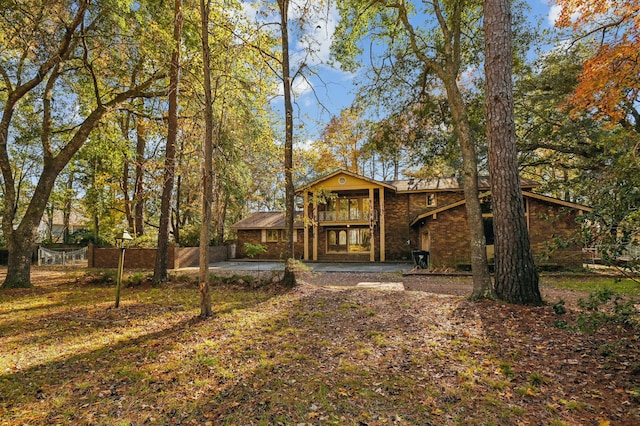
455,285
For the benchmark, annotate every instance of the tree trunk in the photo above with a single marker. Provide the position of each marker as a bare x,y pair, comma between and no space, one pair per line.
138,195
482,288
160,273
289,278
128,209
207,168
20,248
516,278
66,214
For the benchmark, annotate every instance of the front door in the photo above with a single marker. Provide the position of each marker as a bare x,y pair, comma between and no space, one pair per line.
425,241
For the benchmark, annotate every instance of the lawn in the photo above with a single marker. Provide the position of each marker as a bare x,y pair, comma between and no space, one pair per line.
312,355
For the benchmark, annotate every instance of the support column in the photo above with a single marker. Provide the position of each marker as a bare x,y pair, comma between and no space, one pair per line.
382,228
372,225
305,219
316,219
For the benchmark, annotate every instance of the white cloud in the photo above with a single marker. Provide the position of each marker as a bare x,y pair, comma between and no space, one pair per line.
554,14
305,145
301,86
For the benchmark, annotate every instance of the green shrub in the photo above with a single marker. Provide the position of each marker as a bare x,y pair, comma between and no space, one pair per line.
253,250
136,279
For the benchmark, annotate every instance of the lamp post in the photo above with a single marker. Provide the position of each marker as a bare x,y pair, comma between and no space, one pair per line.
121,240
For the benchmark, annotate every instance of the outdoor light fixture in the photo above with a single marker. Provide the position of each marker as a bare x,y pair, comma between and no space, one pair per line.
122,240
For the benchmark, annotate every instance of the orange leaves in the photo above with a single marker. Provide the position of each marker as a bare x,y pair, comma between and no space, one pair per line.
610,78
581,13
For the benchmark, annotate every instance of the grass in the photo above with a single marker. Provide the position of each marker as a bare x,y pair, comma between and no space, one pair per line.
590,284
311,356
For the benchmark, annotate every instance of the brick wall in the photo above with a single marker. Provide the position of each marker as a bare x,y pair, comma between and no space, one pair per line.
449,235
144,258
274,249
552,224
397,229
417,202
548,223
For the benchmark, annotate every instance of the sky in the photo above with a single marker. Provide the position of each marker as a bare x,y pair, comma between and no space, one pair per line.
324,95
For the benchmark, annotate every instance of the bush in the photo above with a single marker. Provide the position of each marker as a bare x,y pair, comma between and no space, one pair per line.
253,250
598,310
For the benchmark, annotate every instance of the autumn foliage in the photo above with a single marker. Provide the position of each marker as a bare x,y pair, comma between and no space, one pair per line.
610,80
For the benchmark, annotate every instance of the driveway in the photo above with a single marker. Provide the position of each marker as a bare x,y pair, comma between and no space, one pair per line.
316,267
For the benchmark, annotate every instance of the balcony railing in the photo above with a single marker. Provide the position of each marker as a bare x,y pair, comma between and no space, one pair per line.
333,216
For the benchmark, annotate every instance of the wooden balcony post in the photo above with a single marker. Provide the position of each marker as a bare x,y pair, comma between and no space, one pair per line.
382,229
372,225
315,226
305,219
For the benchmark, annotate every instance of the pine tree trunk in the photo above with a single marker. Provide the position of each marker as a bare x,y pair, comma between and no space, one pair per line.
516,278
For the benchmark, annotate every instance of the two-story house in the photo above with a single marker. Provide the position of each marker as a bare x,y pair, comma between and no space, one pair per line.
347,217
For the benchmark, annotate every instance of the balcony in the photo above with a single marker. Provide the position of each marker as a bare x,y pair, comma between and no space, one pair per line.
352,216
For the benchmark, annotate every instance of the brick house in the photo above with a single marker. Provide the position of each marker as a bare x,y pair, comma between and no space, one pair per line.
347,217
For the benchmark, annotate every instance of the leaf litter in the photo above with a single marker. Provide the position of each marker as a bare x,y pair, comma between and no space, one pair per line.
315,355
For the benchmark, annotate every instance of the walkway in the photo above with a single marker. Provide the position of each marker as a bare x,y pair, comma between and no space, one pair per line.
316,267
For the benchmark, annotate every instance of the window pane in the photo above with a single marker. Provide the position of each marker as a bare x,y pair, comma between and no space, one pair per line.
343,213
488,230
354,212
359,240
343,238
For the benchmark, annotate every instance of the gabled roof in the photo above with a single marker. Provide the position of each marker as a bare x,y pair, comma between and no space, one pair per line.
347,175
449,184
545,198
558,201
413,185
265,220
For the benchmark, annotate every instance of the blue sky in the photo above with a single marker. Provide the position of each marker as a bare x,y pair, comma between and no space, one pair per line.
325,95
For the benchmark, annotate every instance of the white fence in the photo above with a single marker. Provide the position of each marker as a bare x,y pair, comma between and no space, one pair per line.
59,257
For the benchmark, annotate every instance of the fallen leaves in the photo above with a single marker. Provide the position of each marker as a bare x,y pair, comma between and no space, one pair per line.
311,356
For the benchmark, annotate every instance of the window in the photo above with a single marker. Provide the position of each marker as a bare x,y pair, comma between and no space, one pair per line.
343,238
359,239
343,209
366,208
431,200
273,235
488,230
347,209
486,206
332,238
354,211
351,240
